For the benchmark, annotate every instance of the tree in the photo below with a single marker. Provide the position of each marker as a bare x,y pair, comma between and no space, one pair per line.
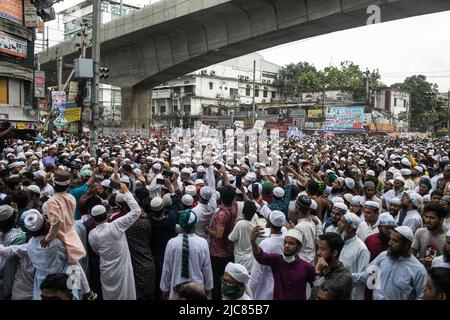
287,79
310,81
425,105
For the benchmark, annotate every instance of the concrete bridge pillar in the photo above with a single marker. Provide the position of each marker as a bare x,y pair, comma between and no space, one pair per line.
136,107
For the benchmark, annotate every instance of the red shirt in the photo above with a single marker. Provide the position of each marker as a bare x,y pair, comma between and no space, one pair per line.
375,245
225,218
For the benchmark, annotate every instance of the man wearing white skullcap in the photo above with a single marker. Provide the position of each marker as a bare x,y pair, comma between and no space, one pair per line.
281,199
378,242
400,276
109,241
357,207
305,224
235,283
241,236
186,258
287,267
443,261
370,224
204,210
409,215
354,255
338,210
397,192
261,282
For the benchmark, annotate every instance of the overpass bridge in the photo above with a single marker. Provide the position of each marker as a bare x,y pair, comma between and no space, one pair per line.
173,37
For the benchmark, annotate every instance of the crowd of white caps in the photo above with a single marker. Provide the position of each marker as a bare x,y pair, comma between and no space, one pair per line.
342,166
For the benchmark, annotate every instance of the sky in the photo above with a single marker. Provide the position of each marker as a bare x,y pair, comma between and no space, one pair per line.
399,49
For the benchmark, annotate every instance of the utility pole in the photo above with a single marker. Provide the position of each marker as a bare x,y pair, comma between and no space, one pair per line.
368,100
121,8
96,22
59,67
448,113
254,105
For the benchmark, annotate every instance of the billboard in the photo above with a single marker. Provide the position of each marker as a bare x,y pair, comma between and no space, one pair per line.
12,45
344,118
58,100
29,11
12,10
39,84
315,113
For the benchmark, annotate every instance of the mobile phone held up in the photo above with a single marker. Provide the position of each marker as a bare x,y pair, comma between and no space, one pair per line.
238,181
159,181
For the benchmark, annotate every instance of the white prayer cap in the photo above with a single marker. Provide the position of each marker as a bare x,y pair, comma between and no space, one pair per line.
250,177
167,200
6,212
201,169
199,181
382,163
277,218
395,201
350,183
313,205
29,153
185,170
278,192
419,169
406,162
238,272
157,166
340,207
357,201
157,204
372,205
206,193
352,219
33,220
406,232
187,200
106,183
39,174
98,210
386,219
400,178
125,179
426,198
370,173
137,171
190,189
405,172
294,233
175,170
415,198
337,199
348,197
34,188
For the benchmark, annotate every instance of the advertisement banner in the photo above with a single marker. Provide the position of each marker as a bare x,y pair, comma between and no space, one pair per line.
29,13
344,118
11,10
72,114
39,84
58,100
259,125
12,45
315,113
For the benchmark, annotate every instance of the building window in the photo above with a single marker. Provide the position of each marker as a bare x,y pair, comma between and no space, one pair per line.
104,6
234,92
153,110
187,108
274,94
247,91
256,93
265,93
211,86
115,9
175,108
404,103
162,109
395,102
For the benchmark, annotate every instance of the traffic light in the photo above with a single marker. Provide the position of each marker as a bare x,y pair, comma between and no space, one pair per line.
44,9
104,72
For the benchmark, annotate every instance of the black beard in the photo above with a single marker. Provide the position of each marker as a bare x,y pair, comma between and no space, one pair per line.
394,255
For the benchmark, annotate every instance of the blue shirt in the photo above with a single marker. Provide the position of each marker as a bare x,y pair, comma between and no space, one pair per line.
282,204
398,279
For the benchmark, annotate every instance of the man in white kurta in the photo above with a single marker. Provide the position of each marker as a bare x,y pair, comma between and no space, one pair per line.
261,278
354,255
199,261
109,241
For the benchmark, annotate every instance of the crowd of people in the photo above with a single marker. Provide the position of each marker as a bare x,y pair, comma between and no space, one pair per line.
339,218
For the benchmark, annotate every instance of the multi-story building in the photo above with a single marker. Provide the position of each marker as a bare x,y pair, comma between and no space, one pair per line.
224,89
391,106
110,100
16,64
